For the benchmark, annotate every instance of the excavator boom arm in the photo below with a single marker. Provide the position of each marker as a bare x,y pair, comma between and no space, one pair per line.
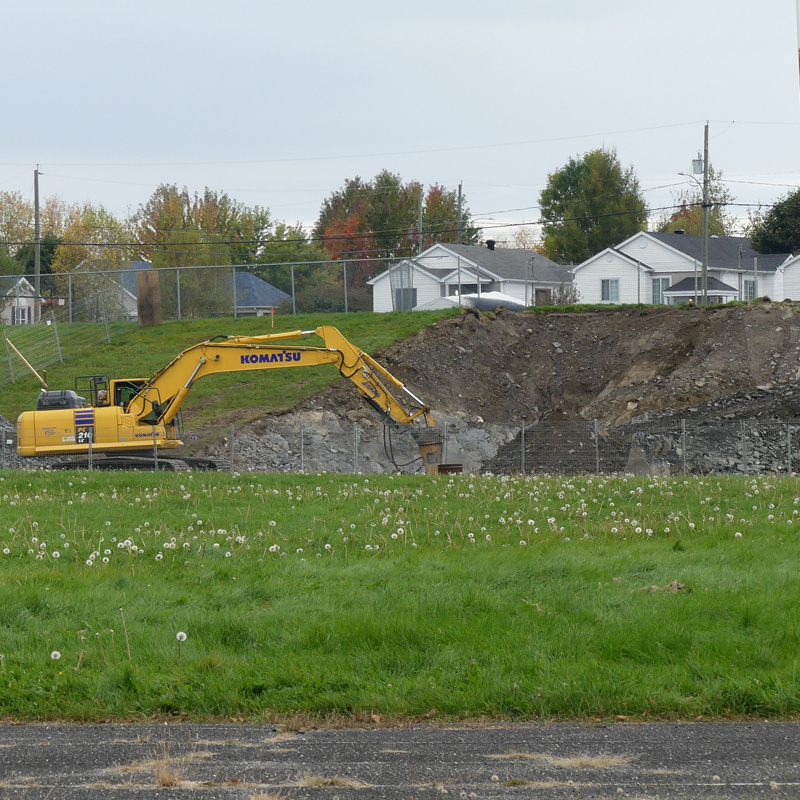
167,390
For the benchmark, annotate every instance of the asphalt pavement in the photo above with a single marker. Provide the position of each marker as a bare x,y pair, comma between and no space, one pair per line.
561,760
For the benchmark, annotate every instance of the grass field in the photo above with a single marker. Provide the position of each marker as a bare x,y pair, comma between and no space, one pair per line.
446,597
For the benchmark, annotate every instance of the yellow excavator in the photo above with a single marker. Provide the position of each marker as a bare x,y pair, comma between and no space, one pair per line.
134,422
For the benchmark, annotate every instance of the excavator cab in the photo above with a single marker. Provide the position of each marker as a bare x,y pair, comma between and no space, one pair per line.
94,388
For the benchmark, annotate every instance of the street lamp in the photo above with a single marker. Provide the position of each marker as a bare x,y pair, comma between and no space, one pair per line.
701,165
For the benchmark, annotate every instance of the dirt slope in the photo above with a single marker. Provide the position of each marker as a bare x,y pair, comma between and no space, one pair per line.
611,366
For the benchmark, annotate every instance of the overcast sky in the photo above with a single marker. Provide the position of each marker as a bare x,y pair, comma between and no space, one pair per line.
278,103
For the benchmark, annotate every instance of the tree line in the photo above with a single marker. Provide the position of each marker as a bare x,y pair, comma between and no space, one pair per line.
590,203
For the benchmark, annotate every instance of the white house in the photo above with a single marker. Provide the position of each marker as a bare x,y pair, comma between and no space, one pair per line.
663,267
453,270
18,302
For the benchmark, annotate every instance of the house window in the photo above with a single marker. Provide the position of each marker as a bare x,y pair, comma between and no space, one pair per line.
22,315
749,289
405,299
466,288
543,297
659,286
609,290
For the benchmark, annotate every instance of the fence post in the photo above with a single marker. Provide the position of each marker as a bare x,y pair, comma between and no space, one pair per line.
8,356
596,448
69,295
302,451
355,447
178,290
788,449
744,448
231,446
3,464
294,300
55,333
91,460
344,283
683,447
235,316
522,448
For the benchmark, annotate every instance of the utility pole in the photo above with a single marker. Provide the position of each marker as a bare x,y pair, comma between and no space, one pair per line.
37,247
705,217
458,234
419,222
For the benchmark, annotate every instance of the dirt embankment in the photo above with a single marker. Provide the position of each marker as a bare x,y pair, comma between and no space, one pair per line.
611,366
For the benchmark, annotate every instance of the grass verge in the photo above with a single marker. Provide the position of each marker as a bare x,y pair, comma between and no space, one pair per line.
397,596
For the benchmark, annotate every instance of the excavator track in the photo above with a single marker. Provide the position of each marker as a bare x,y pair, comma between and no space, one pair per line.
142,463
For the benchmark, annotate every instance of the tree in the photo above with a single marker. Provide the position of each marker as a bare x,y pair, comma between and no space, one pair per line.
778,229
688,216
289,244
26,258
526,238
380,219
589,204
95,242
16,228
175,228
215,224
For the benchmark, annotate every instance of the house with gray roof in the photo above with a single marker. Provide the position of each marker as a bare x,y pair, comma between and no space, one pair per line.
453,270
666,268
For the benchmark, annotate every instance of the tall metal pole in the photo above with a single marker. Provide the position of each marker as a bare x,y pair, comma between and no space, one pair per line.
458,233
798,30
37,247
419,223
705,217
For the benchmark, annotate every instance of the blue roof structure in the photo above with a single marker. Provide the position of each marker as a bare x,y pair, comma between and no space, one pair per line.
251,291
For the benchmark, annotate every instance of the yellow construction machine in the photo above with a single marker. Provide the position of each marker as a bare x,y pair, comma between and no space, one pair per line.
133,422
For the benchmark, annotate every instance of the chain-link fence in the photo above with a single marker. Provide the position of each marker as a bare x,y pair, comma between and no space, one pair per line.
337,445
660,448
83,308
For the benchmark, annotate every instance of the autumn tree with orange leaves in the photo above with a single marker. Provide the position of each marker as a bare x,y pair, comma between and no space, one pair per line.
379,219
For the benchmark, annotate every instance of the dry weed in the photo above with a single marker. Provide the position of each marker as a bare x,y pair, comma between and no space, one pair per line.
583,761
333,782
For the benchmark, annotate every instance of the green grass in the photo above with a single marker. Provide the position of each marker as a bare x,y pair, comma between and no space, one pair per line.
138,352
400,596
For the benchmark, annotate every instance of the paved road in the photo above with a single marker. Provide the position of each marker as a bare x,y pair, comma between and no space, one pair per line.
206,762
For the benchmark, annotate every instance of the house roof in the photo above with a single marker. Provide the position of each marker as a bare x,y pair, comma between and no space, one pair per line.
513,263
686,286
501,263
23,283
723,251
251,291
615,251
